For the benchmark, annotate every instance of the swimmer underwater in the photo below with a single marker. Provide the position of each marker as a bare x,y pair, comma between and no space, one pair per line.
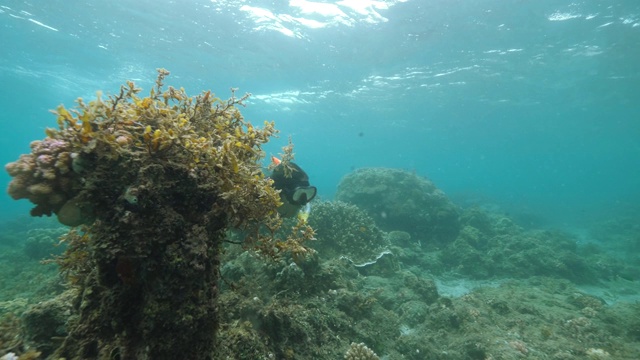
295,190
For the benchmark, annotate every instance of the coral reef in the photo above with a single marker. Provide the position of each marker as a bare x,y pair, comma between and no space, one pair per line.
156,181
344,230
163,233
9,330
400,200
24,280
43,243
492,245
314,309
621,236
14,306
402,315
44,324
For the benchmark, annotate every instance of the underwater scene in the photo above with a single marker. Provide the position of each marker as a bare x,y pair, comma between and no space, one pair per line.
352,179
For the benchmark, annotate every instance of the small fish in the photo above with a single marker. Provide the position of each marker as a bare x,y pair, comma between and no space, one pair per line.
275,161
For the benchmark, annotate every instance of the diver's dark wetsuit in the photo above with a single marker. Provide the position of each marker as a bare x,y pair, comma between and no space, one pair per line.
295,191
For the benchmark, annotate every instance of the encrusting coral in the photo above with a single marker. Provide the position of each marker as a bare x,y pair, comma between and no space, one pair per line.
155,181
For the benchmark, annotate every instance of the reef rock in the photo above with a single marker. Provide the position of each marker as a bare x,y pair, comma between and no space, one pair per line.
401,200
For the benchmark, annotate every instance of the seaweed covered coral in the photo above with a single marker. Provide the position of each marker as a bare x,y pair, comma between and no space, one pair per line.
75,166
156,181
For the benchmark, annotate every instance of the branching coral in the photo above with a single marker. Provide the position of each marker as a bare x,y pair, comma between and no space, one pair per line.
346,231
159,179
360,352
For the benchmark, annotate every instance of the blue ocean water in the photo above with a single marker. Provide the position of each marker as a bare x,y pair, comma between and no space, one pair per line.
530,106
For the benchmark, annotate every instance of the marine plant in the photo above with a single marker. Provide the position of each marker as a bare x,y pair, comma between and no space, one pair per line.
151,185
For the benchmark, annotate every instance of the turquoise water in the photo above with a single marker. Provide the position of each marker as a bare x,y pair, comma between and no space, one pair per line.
529,109
532,107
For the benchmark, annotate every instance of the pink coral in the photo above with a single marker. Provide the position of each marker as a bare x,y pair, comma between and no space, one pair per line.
44,176
40,189
45,160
